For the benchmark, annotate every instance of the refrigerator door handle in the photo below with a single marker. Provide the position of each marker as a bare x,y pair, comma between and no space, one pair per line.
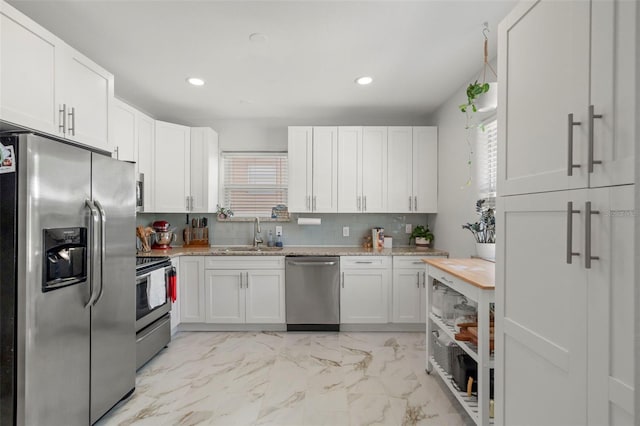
103,247
93,224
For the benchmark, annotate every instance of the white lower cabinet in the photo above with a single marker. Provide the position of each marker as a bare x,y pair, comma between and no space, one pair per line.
244,289
409,282
191,289
364,289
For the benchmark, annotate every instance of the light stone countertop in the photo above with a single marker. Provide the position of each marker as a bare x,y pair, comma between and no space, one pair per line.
294,251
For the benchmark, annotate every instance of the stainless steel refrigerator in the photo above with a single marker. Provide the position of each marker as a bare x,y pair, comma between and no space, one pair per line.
67,283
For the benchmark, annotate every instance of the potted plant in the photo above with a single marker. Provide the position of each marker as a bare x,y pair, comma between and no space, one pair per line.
223,212
484,231
422,235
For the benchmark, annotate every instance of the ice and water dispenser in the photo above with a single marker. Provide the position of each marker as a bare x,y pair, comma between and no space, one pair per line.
65,257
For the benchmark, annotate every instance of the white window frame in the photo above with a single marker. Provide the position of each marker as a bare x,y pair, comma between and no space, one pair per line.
487,158
282,188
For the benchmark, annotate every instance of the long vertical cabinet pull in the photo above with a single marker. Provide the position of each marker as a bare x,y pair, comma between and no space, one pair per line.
418,279
359,203
587,235
424,279
63,118
591,161
570,213
570,165
343,280
72,119
241,275
415,203
410,203
364,203
314,203
246,281
187,200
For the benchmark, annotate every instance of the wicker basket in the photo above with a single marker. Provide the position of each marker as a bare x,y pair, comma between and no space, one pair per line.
444,355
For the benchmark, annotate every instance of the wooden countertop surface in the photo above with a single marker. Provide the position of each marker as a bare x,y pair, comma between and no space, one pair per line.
477,272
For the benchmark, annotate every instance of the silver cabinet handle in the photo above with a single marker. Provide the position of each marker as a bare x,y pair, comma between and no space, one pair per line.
187,199
410,203
424,280
241,278
72,117
587,235
343,280
446,280
364,203
368,262
359,203
314,203
415,203
246,281
591,161
418,279
570,165
93,267
63,118
103,247
191,202
418,263
570,213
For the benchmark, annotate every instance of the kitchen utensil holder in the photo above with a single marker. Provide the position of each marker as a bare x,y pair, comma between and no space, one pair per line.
196,237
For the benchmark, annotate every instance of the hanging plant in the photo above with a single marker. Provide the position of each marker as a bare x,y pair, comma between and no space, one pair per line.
474,91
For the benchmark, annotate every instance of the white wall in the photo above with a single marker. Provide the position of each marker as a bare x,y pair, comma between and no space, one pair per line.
456,200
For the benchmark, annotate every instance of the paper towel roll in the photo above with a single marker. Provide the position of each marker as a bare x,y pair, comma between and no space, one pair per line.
309,221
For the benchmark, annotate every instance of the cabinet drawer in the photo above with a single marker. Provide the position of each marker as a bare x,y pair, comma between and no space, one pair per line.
413,262
459,285
244,262
365,262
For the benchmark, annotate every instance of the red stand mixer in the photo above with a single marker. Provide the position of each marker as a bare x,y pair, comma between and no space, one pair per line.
164,236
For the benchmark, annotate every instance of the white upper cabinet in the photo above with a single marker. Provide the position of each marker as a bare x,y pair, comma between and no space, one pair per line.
27,72
204,170
48,86
412,169
362,169
123,135
145,136
172,168
567,113
313,169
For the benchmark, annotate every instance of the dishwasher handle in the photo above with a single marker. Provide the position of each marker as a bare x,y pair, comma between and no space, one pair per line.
325,263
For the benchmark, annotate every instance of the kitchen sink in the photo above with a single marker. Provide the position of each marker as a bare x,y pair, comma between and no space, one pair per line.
252,248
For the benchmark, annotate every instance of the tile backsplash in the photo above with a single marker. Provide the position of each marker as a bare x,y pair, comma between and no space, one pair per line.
328,233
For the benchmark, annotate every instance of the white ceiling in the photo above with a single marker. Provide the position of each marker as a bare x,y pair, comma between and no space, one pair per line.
418,52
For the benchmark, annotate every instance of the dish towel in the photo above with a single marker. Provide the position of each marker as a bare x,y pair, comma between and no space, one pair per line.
173,285
157,289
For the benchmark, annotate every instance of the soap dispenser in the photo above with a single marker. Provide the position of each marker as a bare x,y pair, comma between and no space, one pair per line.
279,240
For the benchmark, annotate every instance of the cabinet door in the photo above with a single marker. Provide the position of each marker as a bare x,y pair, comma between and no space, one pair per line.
613,83
87,91
364,296
175,306
425,169
172,159
191,285
544,77
145,127
407,289
400,169
225,296
122,138
541,310
204,170
300,168
349,170
611,307
27,77
374,169
325,170
265,296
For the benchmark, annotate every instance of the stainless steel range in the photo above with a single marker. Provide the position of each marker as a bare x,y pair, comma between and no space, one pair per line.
153,304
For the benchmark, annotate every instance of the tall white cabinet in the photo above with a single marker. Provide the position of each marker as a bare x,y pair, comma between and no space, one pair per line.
313,162
565,252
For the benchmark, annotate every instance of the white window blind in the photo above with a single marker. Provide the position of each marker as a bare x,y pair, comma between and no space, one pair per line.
487,151
253,182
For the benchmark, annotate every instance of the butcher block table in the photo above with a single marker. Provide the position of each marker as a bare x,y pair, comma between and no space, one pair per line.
475,279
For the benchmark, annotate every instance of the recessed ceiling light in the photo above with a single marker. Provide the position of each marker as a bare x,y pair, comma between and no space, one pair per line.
363,81
258,37
194,81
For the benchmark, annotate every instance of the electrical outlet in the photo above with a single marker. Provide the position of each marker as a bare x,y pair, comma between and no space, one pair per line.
278,230
345,231
407,228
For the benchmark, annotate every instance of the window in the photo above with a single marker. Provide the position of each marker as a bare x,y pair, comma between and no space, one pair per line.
253,182
487,150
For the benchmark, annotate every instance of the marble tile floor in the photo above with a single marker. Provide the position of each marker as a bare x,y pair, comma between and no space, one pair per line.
279,378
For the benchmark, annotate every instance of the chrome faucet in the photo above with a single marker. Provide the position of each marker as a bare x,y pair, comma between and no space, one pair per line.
257,239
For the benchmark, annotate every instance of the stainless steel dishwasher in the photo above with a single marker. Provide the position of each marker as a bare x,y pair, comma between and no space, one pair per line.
312,293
